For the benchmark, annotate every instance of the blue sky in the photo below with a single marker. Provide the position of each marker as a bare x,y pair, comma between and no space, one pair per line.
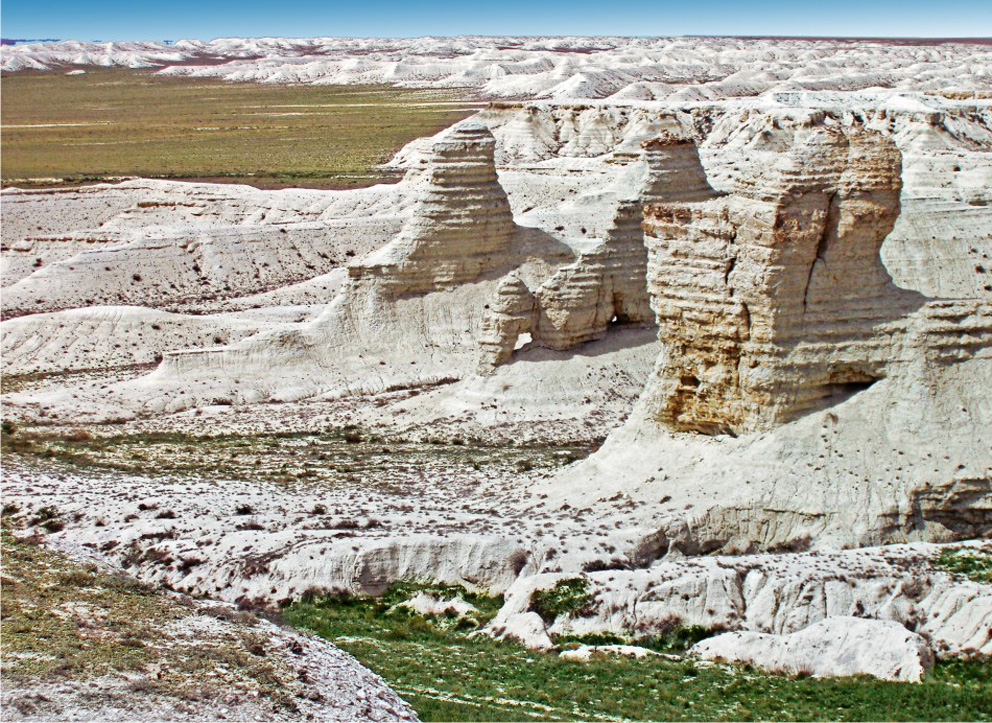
205,19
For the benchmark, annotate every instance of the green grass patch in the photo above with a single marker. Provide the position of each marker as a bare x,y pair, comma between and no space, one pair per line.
446,673
120,122
973,563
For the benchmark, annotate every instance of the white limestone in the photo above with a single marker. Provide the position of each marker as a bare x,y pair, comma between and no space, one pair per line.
833,647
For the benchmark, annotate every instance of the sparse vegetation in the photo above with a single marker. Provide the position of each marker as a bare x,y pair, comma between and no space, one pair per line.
64,622
447,673
973,563
331,455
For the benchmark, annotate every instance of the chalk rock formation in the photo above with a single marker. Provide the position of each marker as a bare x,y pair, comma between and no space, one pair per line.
773,301
777,593
426,604
525,628
585,653
461,227
167,244
857,406
606,284
832,647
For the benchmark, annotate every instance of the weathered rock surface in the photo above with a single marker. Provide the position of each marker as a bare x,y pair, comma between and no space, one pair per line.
786,343
155,243
774,302
526,628
461,229
606,285
817,264
426,604
776,593
678,68
832,647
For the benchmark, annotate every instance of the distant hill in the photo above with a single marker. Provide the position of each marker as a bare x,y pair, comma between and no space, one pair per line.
18,41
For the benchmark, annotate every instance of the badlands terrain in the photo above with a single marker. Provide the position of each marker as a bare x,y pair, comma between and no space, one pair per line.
677,349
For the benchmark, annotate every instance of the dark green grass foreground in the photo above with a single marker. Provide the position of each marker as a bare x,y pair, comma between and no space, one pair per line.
448,675
106,123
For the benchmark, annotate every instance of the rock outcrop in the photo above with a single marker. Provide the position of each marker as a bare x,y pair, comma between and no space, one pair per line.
605,286
832,647
777,594
773,301
461,228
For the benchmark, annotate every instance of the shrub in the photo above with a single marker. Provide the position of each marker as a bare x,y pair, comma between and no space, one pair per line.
53,525
566,597
973,563
78,435
45,514
674,637
244,510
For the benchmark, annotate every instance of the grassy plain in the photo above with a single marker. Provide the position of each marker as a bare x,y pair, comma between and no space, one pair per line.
109,123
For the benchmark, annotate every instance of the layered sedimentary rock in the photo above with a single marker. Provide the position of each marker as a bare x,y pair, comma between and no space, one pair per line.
859,407
606,284
773,301
462,224
177,245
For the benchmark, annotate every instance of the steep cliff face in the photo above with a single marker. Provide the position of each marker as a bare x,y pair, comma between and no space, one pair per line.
859,408
773,301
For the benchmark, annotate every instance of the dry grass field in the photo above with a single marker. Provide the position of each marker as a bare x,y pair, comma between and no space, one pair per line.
108,123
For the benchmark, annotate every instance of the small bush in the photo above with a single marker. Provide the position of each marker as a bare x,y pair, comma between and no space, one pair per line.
78,435
244,510
677,638
53,525
567,597
45,514
973,563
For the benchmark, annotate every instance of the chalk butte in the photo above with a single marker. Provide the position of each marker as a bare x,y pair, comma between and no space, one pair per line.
773,301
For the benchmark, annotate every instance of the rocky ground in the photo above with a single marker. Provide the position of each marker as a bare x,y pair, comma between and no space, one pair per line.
82,641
